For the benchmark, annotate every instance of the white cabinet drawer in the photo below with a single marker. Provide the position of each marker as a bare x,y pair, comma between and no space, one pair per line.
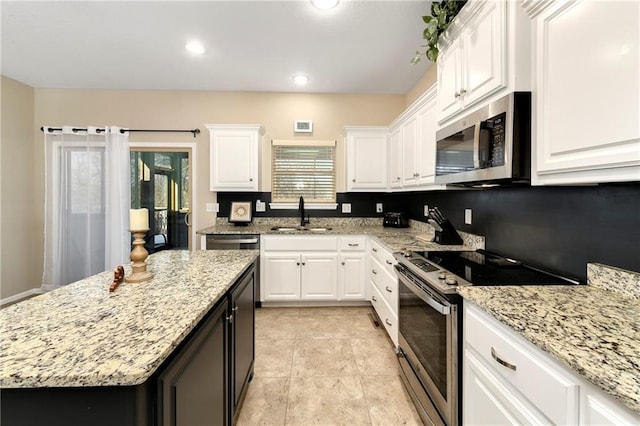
384,256
357,243
386,283
549,389
299,243
387,316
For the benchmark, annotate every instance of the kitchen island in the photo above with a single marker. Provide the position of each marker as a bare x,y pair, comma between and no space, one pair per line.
83,355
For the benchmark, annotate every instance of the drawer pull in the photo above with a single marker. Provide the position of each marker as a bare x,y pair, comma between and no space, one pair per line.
388,289
374,249
501,361
388,323
388,262
353,244
374,272
374,298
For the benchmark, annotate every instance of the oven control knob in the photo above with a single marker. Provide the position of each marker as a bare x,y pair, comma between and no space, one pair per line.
442,275
406,253
451,280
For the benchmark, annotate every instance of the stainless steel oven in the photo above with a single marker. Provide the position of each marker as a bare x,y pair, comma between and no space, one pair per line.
429,334
430,320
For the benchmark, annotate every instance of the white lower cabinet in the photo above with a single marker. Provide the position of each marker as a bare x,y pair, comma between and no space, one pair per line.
312,268
384,287
319,276
508,380
351,276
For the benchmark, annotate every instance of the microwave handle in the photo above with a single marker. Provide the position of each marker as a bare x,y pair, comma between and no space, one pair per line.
476,145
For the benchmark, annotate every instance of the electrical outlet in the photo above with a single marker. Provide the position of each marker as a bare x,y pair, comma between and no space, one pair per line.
426,210
467,216
346,207
261,206
378,207
213,207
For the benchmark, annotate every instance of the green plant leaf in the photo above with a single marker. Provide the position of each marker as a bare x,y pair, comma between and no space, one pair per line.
417,58
432,54
427,19
435,9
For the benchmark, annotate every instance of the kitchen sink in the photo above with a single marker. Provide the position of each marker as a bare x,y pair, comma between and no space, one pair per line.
299,228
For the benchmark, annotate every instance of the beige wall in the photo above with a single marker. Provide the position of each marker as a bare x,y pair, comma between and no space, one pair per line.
276,112
21,241
428,79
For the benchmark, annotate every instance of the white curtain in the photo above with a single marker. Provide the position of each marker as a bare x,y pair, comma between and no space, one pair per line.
87,199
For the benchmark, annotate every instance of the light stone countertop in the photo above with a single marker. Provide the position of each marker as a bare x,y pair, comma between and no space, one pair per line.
82,335
395,239
590,329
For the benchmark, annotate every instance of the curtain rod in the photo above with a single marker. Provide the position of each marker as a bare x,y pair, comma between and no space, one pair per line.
78,129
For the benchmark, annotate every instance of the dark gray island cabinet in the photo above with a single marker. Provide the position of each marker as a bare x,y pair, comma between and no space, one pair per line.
201,382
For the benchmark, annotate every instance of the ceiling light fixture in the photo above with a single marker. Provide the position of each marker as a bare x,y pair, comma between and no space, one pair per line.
300,79
195,47
325,4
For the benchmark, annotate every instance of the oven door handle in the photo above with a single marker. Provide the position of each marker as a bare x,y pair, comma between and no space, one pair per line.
443,309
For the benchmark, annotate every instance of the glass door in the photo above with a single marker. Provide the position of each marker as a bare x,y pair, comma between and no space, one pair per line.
160,182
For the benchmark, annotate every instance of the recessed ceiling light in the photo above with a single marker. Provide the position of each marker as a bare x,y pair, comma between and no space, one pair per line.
325,4
300,79
195,47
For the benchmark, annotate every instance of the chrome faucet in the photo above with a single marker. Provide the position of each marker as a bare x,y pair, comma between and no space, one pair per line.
303,221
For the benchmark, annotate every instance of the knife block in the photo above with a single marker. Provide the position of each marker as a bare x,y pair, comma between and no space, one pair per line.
448,236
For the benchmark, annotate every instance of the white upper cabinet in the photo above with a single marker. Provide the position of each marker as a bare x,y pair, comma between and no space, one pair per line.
587,91
409,146
234,157
427,117
366,158
395,158
413,145
485,52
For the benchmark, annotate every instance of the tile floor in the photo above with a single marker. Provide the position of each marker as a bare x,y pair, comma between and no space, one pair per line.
324,366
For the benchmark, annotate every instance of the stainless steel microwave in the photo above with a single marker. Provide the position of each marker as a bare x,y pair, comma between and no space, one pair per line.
490,146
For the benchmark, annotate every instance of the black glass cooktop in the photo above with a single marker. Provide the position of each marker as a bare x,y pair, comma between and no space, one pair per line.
484,268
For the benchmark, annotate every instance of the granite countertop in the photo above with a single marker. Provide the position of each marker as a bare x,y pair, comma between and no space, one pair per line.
82,335
593,330
395,238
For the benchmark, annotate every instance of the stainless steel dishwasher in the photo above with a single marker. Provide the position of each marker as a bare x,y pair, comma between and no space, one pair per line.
238,242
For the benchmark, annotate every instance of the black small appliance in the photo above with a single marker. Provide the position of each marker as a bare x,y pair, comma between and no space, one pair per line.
395,220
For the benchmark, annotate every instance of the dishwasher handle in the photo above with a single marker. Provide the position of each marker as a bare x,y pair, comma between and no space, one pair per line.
238,241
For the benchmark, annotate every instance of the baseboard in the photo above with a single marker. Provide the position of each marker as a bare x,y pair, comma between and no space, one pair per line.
20,296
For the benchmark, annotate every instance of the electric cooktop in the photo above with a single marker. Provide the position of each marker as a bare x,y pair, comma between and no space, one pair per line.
482,268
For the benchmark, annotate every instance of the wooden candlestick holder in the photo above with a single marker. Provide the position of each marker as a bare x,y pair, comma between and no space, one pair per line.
138,256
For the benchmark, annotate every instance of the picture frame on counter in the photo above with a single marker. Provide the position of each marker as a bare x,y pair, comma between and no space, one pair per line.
240,212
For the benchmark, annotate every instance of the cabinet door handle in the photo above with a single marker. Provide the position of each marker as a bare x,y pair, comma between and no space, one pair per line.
303,263
463,92
353,180
343,263
298,263
374,249
374,298
388,262
398,178
374,272
229,318
250,179
235,309
456,95
353,244
388,289
388,323
501,361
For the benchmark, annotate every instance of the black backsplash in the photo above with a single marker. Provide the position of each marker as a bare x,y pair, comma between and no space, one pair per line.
556,228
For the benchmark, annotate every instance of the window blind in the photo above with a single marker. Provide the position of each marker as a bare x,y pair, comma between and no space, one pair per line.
303,170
